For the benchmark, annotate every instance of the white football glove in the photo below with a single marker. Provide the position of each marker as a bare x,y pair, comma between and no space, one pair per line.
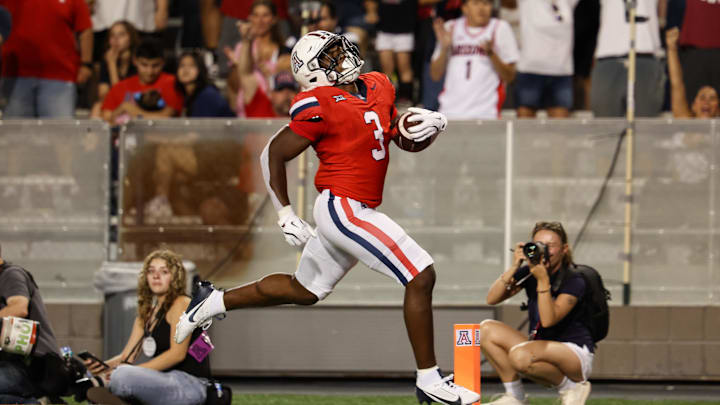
431,122
297,232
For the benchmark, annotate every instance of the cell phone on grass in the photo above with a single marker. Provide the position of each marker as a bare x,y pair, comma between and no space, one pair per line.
85,355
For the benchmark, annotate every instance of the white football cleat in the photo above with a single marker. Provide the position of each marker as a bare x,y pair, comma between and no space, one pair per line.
446,392
206,303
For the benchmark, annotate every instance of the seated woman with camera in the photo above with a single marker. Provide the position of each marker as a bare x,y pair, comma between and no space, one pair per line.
152,368
559,350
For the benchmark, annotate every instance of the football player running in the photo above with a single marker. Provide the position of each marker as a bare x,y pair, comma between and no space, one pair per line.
349,119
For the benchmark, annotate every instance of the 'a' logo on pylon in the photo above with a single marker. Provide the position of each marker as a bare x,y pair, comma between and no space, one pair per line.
462,338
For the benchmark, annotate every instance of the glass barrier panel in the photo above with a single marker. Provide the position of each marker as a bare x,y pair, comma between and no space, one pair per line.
559,167
54,183
672,228
196,187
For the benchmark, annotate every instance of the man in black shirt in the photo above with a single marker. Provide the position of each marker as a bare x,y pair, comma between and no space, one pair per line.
559,350
20,297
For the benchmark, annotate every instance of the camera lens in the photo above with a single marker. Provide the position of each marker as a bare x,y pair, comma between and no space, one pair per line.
530,250
534,252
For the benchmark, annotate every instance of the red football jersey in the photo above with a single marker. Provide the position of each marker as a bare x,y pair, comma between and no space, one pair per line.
350,134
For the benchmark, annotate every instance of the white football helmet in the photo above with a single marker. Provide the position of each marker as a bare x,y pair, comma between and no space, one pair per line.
314,65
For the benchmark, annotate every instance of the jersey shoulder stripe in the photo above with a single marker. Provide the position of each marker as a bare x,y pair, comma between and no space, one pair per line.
302,105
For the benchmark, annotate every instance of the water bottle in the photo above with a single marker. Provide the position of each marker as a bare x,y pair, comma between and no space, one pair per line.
66,352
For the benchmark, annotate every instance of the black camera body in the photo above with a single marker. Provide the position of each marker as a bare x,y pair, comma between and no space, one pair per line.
150,100
536,252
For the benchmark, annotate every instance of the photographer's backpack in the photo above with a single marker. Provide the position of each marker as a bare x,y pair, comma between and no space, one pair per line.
595,302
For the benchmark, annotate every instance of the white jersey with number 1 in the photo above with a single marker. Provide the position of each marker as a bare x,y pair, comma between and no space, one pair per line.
472,88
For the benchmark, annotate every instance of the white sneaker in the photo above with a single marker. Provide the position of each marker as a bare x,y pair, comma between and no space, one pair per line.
446,392
206,303
507,399
158,210
576,395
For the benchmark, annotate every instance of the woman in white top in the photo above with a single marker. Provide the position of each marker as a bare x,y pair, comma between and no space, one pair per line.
477,55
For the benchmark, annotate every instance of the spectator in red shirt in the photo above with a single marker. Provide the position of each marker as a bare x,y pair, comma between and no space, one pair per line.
149,94
259,53
41,62
276,104
261,100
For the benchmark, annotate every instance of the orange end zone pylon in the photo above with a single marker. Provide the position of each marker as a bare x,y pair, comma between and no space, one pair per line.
467,356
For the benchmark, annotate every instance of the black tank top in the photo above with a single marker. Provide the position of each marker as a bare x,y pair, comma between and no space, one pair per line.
161,334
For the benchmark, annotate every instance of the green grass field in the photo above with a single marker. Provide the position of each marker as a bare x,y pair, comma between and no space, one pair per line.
255,399
390,400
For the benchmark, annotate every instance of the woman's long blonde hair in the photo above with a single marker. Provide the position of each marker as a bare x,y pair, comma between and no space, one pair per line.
177,283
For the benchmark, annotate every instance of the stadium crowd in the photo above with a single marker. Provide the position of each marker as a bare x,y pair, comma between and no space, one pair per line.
472,59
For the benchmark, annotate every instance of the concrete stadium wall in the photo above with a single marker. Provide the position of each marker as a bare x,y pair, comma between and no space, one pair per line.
644,343
77,325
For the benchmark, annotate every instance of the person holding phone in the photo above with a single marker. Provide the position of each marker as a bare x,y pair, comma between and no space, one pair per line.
152,368
559,349
85,355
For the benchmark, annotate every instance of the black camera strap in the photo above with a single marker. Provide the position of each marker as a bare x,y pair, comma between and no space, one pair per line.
562,274
148,329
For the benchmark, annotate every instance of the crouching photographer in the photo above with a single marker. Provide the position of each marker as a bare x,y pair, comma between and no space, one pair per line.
559,349
152,368
28,347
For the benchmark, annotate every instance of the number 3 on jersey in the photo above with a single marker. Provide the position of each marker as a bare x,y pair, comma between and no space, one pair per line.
372,117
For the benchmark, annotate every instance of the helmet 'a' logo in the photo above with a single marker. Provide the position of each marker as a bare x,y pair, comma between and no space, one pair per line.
296,62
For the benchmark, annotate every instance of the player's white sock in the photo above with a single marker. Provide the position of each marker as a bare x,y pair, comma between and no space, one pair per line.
566,384
515,389
428,376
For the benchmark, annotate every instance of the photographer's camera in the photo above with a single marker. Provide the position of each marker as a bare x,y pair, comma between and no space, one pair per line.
536,252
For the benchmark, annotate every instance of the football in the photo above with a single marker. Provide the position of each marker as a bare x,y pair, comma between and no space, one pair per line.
404,141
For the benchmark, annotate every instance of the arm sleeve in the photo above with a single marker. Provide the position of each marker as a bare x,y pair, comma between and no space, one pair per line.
574,286
306,121
14,284
505,43
307,118
265,166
